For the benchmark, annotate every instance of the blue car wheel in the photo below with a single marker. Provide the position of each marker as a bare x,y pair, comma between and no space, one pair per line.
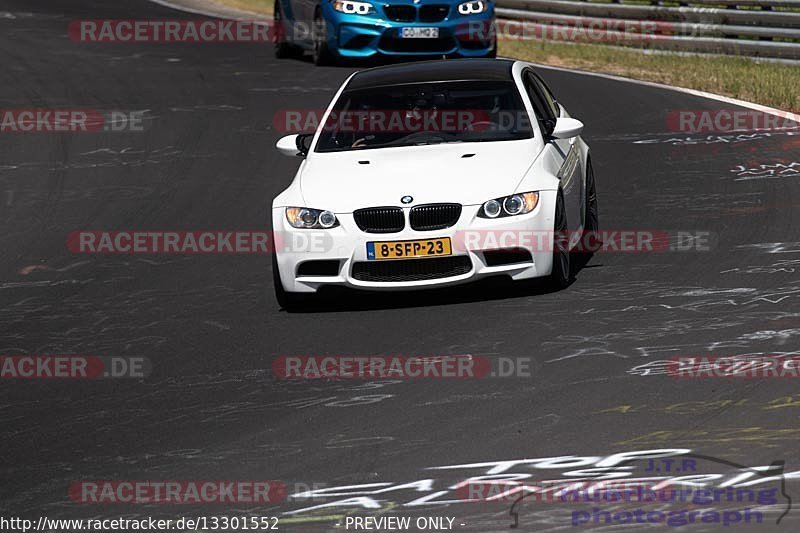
321,53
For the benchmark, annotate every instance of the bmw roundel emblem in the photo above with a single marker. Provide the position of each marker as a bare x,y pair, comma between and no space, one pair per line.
406,199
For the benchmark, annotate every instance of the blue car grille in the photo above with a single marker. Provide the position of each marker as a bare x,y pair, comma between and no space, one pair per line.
434,13
401,13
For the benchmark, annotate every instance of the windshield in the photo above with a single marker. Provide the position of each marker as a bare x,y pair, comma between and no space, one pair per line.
419,114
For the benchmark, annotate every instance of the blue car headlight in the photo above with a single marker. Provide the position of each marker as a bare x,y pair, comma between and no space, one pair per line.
473,7
351,7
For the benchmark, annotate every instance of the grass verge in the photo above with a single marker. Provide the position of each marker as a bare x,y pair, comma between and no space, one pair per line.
262,7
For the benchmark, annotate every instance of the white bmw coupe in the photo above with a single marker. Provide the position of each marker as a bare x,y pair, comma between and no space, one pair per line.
431,174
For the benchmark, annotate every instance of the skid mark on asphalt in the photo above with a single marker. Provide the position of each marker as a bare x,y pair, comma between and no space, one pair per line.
733,138
772,247
767,171
764,437
788,266
703,406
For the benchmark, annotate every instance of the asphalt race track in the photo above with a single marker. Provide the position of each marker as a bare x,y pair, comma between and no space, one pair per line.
210,327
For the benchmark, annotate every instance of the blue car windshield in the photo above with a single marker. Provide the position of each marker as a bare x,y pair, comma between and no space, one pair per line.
421,114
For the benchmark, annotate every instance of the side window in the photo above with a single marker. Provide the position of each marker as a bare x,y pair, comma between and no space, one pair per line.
541,106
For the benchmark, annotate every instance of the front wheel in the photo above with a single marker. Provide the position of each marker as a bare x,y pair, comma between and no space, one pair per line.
561,273
321,53
590,241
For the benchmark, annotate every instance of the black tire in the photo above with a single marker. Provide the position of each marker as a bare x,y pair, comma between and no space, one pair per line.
321,53
590,240
287,300
561,273
283,49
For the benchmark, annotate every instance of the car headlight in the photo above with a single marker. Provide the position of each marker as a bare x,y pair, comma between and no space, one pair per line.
473,7
508,206
306,218
352,8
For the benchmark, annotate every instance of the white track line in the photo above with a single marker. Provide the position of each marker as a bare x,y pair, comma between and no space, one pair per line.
711,96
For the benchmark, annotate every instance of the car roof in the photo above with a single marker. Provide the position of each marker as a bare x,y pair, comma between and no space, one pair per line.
433,71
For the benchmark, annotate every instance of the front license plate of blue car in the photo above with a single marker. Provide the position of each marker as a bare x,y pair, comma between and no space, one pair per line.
408,249
419,33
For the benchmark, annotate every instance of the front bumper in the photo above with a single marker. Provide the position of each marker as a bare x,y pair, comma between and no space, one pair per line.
365,36
471,238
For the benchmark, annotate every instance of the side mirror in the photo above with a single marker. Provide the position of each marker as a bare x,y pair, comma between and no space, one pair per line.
567,128
295,145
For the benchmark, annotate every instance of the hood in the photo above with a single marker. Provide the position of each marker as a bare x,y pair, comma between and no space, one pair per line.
464,173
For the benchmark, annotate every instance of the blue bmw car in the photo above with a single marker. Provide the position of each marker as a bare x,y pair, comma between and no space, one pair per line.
335,30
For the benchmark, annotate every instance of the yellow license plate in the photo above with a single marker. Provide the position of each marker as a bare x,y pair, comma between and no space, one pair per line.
408,249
